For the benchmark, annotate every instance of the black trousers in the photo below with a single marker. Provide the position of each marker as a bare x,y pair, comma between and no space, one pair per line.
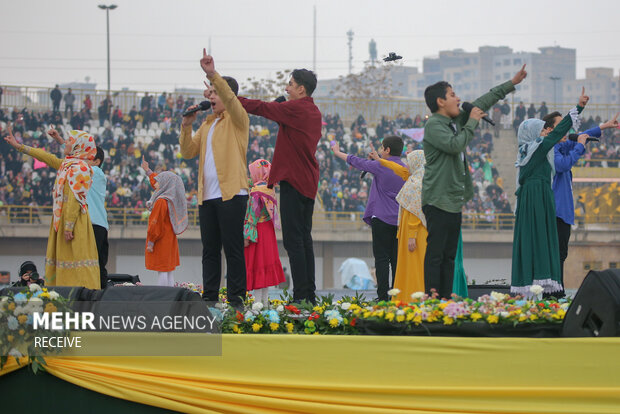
385,250
442,243
563,238
101,238
296,213
56,106
221,225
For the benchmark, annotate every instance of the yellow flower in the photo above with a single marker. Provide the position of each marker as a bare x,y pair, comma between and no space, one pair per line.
390,316
45,295
418,319
400,318
354,307
333,322
475,316
11,306
50,307
22,332
316,333
274,326
448,320
443,305
22,319
256,327
357,311
236,329
410,316
522,318
290,327
492,319
533,317
9,338
366,314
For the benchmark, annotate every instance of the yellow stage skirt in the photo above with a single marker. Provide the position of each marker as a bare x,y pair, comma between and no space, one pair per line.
362,374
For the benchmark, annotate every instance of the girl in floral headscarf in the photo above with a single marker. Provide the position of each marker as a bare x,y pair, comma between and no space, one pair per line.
71,258
168,206
262,261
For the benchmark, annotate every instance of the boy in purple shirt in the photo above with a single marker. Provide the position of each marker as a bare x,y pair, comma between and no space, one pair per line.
382,208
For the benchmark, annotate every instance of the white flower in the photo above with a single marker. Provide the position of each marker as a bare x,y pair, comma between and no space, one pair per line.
280,308
15,353
504,314
417,295
345,305
400,312
498,297
257,306
219,305
53,295
34,287
393,292
536,289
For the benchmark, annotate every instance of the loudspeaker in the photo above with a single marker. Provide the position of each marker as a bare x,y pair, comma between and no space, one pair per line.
595,311
150,302
119,278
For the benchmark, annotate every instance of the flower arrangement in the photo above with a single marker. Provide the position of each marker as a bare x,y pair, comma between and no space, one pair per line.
16,323
348,315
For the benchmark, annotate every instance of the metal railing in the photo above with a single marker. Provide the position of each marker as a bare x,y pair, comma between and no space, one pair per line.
336,221
38,98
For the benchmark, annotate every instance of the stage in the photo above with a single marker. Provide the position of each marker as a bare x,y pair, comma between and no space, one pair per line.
342,374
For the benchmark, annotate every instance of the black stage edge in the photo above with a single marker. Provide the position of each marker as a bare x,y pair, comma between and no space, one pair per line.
27,392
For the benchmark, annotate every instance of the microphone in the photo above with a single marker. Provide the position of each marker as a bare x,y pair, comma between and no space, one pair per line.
467,107
363,174
202,106
573,137
280,99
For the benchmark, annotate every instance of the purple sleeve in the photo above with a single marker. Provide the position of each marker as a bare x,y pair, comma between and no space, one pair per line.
361,164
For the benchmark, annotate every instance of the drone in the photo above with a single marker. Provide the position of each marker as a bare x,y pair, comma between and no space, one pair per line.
392,57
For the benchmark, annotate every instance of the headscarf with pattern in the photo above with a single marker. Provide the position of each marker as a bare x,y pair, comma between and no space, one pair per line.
75,171
262,195
410,195
172,190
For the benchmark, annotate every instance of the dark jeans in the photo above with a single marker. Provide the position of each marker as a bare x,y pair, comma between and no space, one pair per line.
442,243
221,225
55,106
296,213
101,238
385,250
563,238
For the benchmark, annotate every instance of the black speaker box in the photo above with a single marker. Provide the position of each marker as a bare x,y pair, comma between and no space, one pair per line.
118,278
595,311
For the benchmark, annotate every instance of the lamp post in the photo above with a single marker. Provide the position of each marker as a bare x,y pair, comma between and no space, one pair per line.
107,18
555,88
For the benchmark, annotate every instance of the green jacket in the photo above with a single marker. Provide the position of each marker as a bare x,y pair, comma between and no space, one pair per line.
447,182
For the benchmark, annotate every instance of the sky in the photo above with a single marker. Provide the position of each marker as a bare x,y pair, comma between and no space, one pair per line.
156,45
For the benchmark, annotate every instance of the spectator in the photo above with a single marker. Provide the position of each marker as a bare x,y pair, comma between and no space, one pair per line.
69,100
55,96
5,279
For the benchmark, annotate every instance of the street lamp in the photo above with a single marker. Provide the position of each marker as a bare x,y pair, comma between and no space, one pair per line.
107,18
555,93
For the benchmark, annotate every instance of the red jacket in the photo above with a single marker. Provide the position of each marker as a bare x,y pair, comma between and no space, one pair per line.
294,158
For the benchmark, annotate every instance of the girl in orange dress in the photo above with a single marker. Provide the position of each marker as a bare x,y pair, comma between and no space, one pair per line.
168,218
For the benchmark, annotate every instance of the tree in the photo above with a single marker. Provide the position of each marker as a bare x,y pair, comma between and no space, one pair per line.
266,89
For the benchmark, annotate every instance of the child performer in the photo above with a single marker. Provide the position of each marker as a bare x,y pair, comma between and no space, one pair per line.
262,261
71,258
535,250
168,218
411,226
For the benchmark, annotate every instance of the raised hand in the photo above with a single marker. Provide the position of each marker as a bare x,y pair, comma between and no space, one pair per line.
335,147
519,76
583,99
10,139
373,155
612,123
145,165
207,64
55,135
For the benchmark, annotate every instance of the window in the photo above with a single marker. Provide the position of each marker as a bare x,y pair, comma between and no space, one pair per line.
506,62
498,63
516,61
497,77
594,265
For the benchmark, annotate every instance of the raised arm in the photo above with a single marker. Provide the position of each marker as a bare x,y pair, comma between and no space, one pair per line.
41,155
565,124
238,115
280,112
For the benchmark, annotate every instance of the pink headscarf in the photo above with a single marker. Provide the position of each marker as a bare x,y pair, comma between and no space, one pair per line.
260,193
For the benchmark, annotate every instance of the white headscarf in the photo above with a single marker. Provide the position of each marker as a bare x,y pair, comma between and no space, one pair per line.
171,189
410,195
529,141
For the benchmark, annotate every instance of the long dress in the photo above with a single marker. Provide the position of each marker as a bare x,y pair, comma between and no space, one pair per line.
409,276
75,262
262,260
459,285
165,255
535,249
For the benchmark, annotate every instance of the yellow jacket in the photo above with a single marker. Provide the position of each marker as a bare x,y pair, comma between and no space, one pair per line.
229,143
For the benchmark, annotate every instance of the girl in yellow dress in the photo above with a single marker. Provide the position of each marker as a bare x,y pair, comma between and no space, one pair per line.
411,227
71,258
